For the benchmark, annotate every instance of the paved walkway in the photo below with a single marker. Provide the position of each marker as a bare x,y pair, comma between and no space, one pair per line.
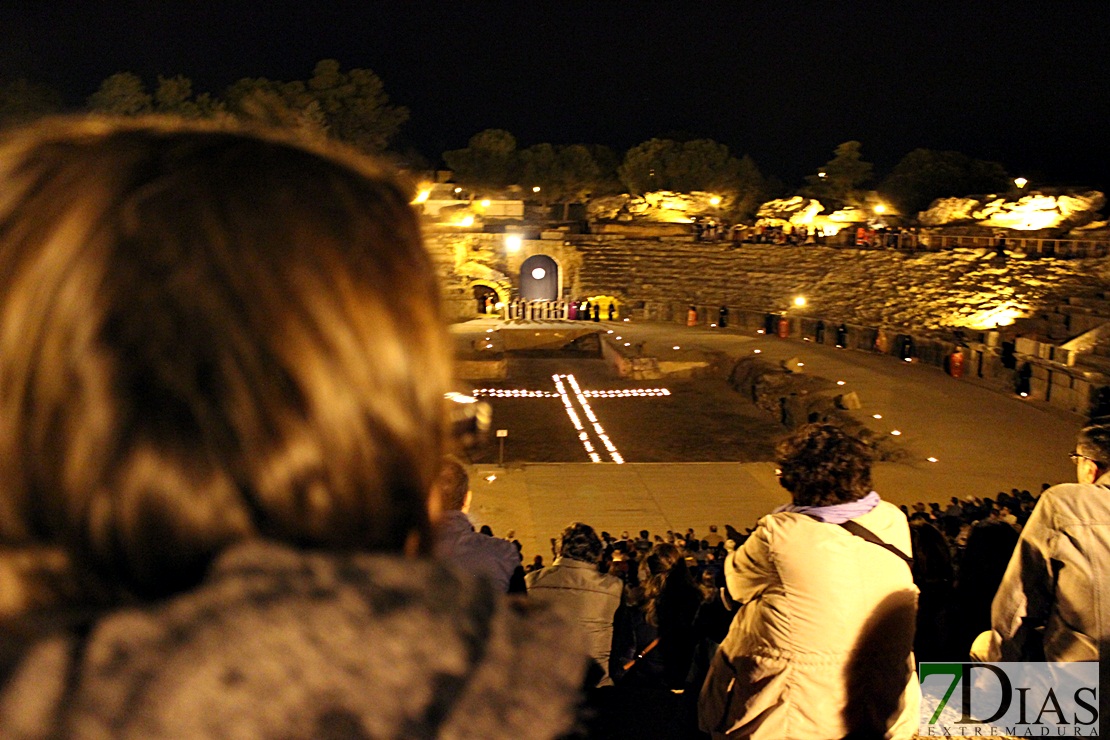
984,441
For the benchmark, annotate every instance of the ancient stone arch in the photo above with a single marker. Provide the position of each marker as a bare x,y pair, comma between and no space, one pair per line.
502,288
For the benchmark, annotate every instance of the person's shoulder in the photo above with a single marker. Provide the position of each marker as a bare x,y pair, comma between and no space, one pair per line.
351,622
781,523
536,576
504,547
888,523
611,583
1067,503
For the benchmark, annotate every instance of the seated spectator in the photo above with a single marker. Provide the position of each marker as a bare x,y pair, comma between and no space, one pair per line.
954,509
574,587
457,543
933,575
714,537
989,547
1006,516
655,638
823,643
222,376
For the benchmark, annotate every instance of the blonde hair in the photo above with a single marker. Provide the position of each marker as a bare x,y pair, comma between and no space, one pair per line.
209,335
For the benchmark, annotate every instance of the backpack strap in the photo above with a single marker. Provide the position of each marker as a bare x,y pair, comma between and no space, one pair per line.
865,533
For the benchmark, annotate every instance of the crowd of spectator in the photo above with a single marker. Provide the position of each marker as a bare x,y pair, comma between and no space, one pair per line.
223,453
674,607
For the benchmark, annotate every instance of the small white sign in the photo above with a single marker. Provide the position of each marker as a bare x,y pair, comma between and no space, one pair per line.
502,432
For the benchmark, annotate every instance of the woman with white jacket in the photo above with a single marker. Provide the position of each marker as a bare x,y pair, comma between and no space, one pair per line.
822,645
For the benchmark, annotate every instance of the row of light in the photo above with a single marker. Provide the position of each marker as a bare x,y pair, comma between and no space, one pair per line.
627,393
583,435
609,446
502,393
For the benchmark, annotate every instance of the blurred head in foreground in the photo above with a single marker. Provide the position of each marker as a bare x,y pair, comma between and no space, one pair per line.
208,336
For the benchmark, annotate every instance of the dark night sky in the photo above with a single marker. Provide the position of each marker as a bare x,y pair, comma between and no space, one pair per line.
1024,83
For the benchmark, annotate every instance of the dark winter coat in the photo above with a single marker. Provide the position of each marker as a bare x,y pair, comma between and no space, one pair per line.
277,643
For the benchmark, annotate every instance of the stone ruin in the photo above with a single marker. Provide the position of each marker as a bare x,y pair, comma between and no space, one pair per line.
1036,213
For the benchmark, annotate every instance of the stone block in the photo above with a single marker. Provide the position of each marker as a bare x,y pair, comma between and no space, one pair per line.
1062,380
1063,398
1026,346
1038,388
1082,389
848,401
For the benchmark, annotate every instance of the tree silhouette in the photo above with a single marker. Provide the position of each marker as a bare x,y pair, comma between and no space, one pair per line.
841,179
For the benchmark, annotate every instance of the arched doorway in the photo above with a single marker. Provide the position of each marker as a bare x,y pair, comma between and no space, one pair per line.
539,278
485,298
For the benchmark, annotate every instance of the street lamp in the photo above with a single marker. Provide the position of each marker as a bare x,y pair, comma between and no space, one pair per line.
799,301
535,188
513,242
1021,182
880,209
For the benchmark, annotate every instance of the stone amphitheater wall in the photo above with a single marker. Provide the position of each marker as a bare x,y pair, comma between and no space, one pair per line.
920,291
880,295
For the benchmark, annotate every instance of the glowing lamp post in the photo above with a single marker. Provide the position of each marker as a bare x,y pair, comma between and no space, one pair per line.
1021,182
799,301
880,209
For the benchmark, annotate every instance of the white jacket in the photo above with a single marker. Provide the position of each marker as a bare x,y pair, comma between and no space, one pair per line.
823,643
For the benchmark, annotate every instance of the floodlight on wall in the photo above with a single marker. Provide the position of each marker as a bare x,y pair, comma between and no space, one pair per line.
513,242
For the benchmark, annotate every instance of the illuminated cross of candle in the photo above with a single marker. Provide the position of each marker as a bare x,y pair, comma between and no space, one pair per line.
575,401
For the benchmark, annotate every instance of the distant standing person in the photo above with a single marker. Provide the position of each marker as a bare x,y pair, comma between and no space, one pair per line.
612,311
692,315
597,312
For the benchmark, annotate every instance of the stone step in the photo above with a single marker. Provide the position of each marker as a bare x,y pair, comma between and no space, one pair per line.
1098,362
1099,303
